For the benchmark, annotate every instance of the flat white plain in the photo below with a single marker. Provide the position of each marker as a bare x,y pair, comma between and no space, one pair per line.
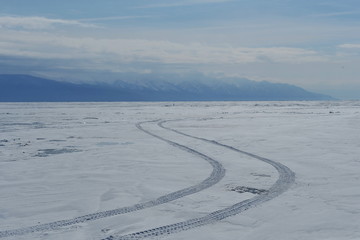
64,160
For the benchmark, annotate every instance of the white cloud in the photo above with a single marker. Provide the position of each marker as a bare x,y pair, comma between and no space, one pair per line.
139,50
336,14
113,18
37,22
179,3
349,46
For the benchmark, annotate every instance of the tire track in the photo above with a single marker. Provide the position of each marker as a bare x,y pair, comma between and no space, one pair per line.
216,175
285,180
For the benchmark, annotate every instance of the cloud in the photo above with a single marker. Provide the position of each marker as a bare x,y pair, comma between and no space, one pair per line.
336,14
36,23
42,45
349,46
113,18
179,3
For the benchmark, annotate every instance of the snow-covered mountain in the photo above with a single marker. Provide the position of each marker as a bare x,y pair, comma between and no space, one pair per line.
29,88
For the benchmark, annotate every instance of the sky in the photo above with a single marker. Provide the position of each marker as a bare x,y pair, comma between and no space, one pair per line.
311,44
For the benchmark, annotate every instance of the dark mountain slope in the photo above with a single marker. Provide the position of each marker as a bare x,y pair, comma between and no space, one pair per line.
25,88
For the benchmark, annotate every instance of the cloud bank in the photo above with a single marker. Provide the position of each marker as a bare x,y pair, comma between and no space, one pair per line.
36,23
44,45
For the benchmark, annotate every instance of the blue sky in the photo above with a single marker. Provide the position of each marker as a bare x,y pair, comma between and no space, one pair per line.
312,44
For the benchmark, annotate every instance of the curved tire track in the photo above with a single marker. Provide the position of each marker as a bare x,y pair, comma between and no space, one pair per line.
285,180
216,175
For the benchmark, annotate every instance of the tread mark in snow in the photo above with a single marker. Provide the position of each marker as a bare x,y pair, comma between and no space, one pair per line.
285,180
216,175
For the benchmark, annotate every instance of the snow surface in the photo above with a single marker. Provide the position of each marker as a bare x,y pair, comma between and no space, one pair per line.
64,160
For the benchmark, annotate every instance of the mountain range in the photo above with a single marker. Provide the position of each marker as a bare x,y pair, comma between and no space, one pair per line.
27,88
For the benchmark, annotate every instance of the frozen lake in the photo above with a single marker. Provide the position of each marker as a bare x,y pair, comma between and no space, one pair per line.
94,170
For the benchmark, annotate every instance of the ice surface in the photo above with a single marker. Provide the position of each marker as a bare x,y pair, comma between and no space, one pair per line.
64,160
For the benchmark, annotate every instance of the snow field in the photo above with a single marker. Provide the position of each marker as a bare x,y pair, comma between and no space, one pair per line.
64,160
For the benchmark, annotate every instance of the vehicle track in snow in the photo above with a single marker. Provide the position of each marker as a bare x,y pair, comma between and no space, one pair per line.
285,180
216,175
